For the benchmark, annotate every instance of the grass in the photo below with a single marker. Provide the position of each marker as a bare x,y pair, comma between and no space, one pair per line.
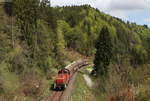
84,93
81,91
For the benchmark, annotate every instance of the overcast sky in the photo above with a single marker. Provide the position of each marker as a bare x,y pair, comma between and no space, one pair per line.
133,10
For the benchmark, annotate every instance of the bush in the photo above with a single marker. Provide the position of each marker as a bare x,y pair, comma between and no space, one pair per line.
32,84
143,96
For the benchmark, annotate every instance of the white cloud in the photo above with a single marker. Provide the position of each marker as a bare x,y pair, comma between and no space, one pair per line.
118,13
122,4
70,2
147,20
102,4
117,8
148,1
107,4
129,4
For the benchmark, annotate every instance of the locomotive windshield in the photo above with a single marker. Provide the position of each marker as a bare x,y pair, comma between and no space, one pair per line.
64,71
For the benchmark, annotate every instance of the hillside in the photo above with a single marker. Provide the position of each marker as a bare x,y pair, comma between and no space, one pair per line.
33,46
87,22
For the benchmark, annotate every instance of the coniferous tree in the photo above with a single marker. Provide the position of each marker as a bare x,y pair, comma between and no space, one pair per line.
104,52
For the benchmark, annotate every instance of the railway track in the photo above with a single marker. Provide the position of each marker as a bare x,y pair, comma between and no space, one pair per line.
56,96
65,95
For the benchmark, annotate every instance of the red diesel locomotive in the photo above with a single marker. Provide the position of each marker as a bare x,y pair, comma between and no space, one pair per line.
62,79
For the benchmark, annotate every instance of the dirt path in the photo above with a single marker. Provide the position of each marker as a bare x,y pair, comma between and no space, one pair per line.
65,95
88,80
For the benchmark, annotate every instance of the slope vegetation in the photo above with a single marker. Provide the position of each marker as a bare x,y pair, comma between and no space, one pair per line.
61,35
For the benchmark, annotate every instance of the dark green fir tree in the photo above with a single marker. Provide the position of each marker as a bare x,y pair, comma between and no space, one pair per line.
104,52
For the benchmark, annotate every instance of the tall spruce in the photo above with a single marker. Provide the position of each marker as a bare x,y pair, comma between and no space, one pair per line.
104,52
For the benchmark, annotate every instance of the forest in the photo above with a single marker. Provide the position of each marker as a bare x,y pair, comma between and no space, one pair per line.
36,40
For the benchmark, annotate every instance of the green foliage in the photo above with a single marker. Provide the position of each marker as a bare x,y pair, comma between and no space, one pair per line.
81,31
40,34
9,83
60,45
82,91
141,79
104,52
143,96
26,12
139,55
45,46
47,13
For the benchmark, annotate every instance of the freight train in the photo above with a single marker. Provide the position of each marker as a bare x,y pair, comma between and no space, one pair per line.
63,76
